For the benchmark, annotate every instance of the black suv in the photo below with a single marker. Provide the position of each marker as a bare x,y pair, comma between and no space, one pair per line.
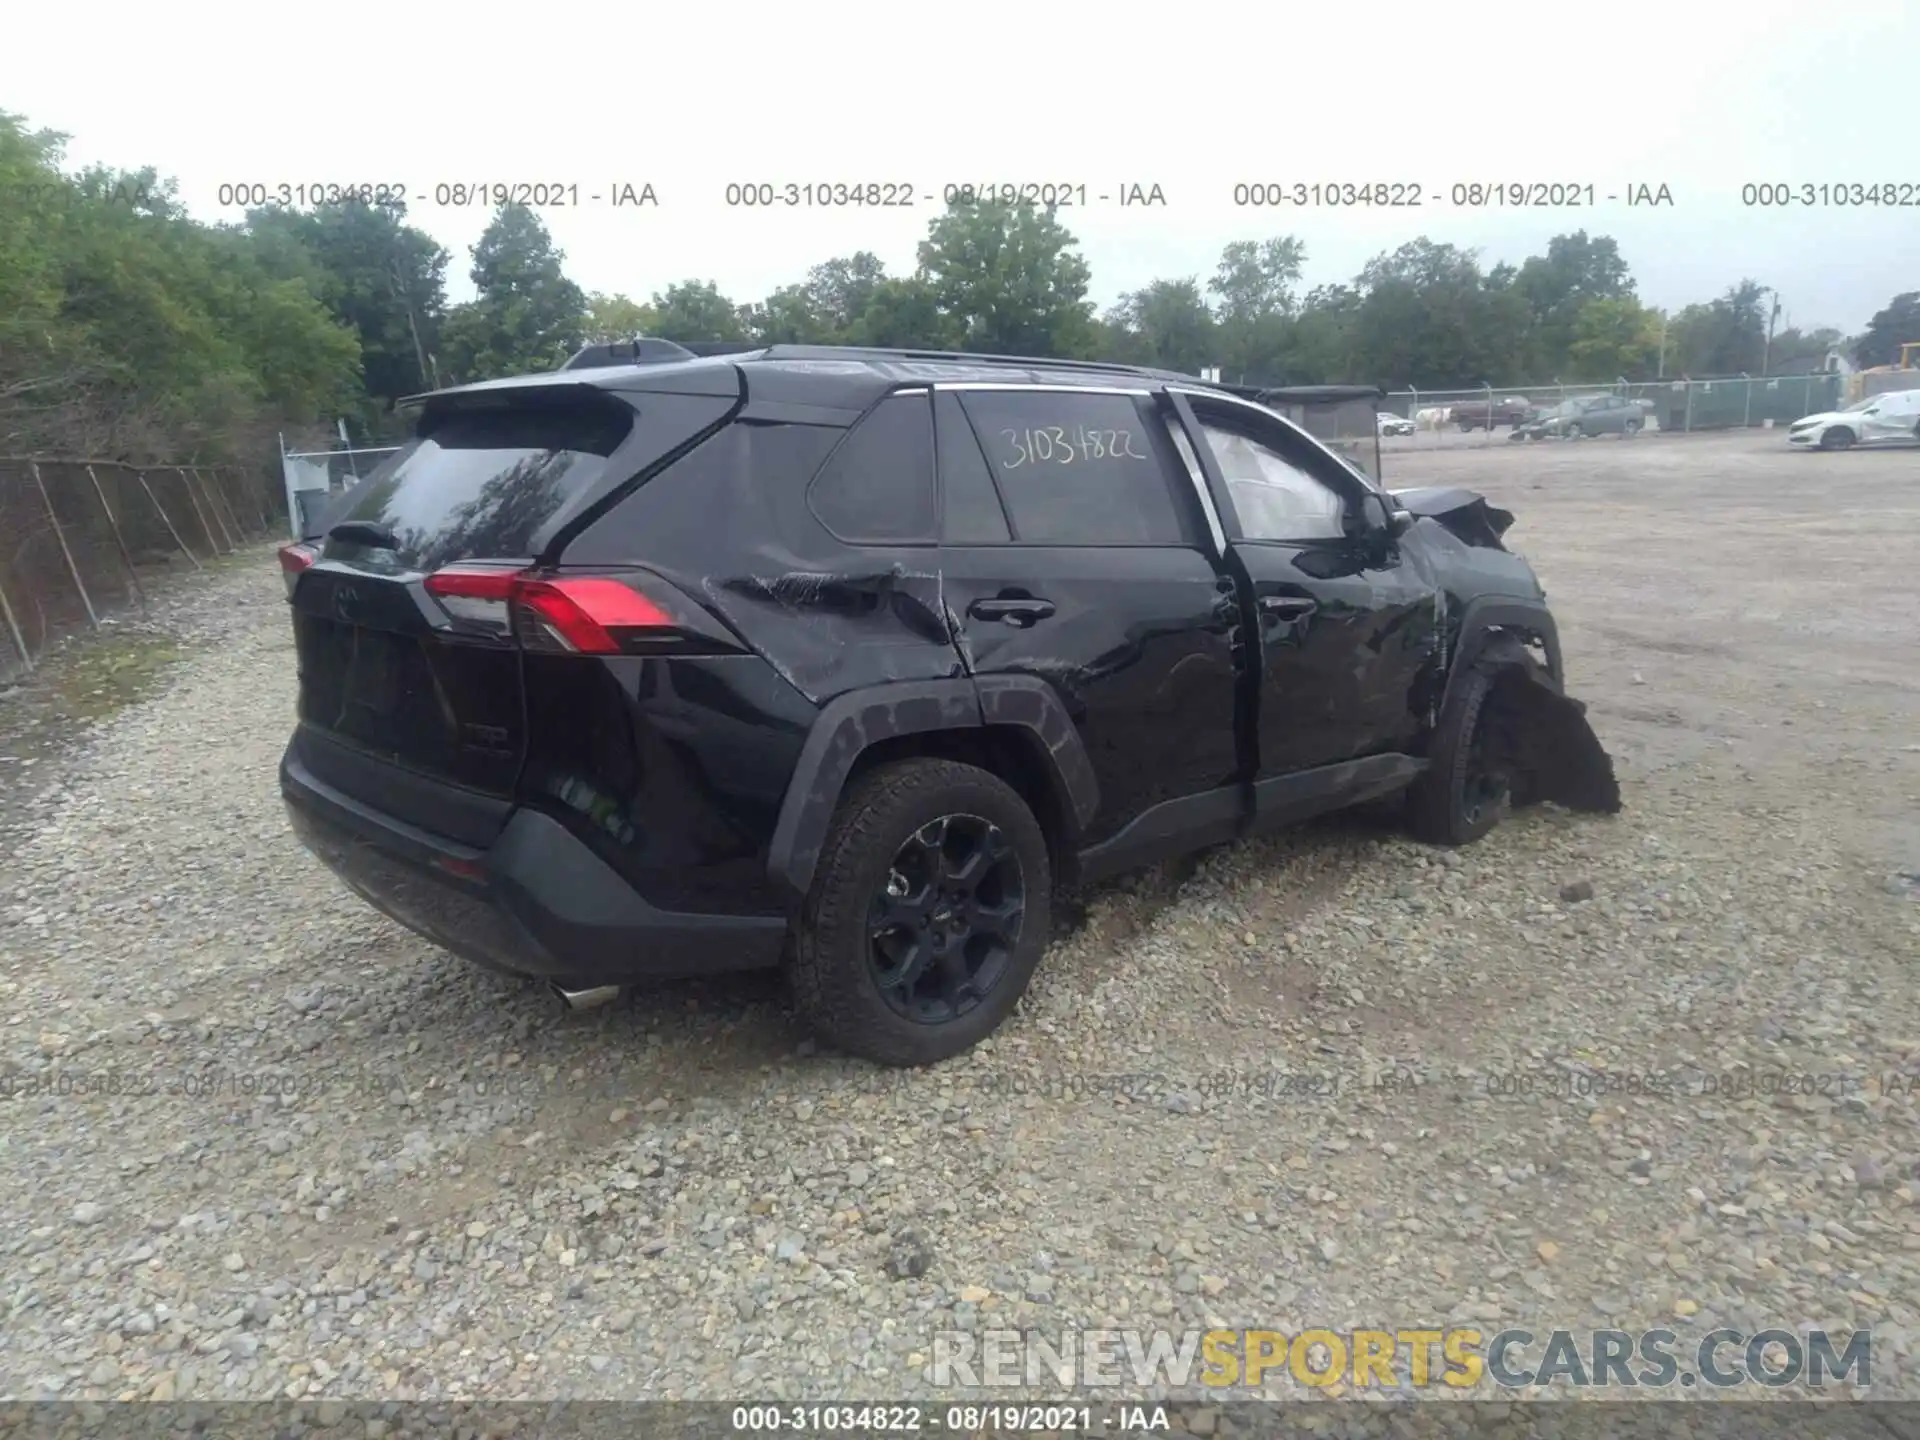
845,659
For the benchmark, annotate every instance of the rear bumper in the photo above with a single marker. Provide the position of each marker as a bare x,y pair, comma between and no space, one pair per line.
536,902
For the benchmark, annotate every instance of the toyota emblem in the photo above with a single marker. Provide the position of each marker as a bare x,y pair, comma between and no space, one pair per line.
346,602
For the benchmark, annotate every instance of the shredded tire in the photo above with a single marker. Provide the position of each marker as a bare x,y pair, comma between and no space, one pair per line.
1436,808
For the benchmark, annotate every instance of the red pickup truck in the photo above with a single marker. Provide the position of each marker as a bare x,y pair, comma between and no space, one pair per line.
1490,415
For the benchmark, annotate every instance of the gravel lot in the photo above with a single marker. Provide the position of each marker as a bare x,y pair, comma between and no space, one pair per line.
342,1164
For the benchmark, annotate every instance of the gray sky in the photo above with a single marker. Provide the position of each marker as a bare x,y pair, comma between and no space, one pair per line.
1701,98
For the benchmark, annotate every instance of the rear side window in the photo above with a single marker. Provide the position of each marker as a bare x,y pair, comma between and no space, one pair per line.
1077,469
481,484
878,487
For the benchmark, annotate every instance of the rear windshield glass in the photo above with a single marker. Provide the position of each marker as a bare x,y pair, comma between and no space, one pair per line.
479,485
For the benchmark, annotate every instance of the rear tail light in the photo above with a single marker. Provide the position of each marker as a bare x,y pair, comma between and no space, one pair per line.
587,615
295,559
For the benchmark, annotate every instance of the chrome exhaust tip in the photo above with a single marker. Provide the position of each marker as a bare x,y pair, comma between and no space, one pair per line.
589,999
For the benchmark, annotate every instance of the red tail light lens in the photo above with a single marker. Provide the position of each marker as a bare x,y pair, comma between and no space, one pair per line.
580,613
472,584
584,612
295,560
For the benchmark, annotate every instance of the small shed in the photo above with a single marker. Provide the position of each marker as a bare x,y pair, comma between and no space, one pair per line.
1344,418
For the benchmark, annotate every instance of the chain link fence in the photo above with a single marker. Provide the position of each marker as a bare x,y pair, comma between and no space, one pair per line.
1419,418
83,539
314,478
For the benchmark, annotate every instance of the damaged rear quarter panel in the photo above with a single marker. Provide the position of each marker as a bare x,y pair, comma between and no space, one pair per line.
730,526
860,632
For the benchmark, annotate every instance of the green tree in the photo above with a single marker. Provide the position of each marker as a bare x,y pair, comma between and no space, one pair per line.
1254,301
381,276
1009,279
613,318
695,310
787,317
1428,317
839,291
128,330
1797,347
1726,336
1896,324
1319,346
828,308
528,317
1612,337
903,312
1173,322
1576,269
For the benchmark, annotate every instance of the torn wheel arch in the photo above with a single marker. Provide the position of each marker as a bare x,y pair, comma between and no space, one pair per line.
1542,733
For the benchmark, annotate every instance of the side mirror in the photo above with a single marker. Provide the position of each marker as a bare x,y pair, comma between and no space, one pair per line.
1377,516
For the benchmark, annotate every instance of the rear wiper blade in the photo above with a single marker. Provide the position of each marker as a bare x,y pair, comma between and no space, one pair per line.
364,532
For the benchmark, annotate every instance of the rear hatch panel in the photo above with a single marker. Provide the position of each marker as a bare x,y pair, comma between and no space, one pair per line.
399,686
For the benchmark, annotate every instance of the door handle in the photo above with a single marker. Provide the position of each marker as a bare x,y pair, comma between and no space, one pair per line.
1287,607
1014,610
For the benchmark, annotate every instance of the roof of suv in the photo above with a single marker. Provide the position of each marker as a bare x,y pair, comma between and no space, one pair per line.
853,377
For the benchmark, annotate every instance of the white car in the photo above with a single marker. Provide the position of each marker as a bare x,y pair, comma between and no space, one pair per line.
1888,418
1392,424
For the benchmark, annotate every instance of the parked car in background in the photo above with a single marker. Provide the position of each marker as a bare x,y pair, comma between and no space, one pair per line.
1587,415
1392,424
1491,414
1887,419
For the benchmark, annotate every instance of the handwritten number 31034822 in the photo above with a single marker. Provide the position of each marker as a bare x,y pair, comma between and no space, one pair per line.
1054,445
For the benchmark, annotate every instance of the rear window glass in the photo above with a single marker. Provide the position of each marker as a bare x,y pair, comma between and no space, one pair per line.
480,484
1077,469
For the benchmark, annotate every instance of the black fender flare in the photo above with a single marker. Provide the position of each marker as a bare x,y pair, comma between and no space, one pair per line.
849,724
1481,625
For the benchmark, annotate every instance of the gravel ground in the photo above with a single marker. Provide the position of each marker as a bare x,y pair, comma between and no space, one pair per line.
331,1161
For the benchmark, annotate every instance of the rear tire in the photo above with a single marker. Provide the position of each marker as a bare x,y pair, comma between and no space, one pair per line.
1574,432
1633,429
866,980
1460,797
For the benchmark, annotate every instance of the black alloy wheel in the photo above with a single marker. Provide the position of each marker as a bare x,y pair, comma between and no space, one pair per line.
947,919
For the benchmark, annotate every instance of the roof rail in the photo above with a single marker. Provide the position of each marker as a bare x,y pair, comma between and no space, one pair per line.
1029,362
707,348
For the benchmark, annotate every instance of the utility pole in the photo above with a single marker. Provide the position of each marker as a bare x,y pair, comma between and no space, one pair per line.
419,350
1773,314
1660,365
